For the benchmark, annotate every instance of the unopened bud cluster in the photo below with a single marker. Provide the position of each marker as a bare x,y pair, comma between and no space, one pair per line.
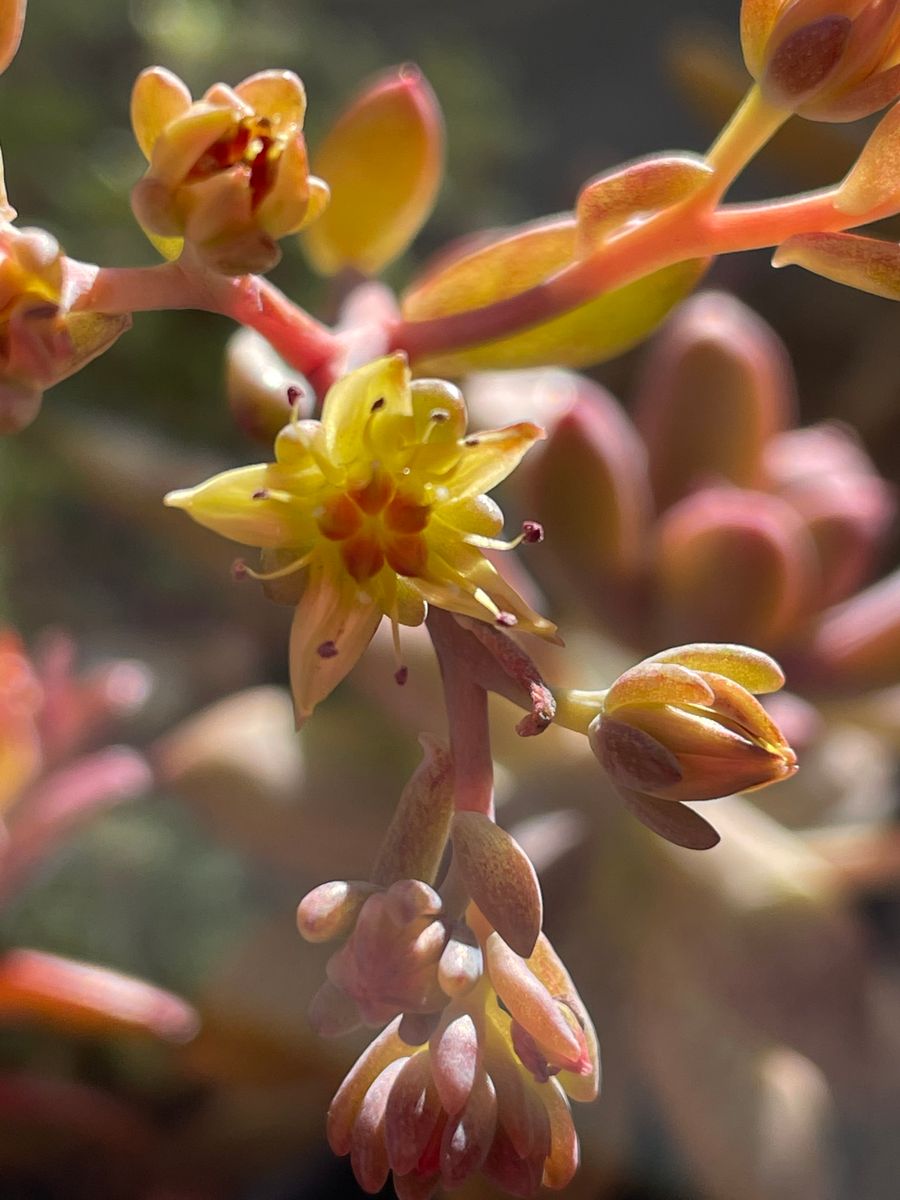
486,1043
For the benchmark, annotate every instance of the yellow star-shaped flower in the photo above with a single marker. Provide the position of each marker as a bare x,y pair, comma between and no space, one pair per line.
382,503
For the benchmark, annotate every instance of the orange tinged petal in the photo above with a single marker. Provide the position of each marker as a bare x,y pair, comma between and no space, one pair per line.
157,99
671,684
333,624
277,95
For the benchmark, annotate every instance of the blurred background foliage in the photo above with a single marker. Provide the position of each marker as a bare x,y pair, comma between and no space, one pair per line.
538,96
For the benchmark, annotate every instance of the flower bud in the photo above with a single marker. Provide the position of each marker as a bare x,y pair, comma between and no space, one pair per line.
678,733
389,964
383,162
500,879
829,61
228,174
416,837
716,385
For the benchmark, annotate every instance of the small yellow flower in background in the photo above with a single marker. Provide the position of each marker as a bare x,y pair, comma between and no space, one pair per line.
382,503
229,173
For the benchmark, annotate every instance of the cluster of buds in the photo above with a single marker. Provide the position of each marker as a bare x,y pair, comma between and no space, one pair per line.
715,517
487,1035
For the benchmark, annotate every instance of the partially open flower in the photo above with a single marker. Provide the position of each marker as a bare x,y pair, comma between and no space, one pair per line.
41,342
684,725
681,726
228,173
381,503
830,60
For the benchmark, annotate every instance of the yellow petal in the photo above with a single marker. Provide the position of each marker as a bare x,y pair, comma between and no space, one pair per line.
549,968
169,247
185,140
752,669
237,505
284,210
456,571
158,97
383,162
278,95
488,457
332,626
349,404
565,1155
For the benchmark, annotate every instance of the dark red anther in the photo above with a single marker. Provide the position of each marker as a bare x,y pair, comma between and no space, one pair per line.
401,675
260,494
238,570
507,619
532,532
326,650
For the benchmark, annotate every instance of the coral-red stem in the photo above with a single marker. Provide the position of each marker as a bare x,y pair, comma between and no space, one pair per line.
659,242
301,340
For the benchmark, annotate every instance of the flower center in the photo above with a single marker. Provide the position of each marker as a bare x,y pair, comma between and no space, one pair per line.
252,144
374,524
